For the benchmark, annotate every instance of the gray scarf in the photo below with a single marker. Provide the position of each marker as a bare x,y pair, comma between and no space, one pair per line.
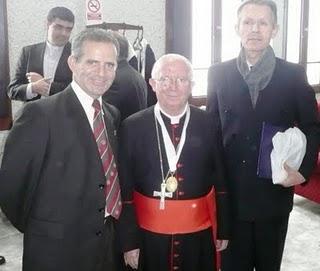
260,74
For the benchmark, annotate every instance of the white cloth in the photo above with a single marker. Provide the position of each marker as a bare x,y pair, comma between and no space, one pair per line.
288,147
52,55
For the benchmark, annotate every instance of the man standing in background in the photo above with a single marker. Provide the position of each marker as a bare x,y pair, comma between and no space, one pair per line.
244,94
42,68
129,90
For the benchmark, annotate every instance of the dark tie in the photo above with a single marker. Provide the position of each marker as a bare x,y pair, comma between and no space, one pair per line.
112,187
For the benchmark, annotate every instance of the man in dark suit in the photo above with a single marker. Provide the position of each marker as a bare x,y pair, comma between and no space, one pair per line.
244,94
55,178
42,69
129,89
169,165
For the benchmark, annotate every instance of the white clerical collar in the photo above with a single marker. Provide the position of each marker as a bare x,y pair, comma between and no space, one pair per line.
54,48
174,119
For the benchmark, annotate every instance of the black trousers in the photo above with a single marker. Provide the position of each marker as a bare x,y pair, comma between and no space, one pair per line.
111,256
256,245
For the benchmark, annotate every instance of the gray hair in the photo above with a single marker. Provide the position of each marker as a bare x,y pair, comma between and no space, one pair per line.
269,3
91,34
171,58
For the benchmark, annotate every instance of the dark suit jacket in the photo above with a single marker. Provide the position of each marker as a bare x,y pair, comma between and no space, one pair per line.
288,100
52,183
128,92
31,60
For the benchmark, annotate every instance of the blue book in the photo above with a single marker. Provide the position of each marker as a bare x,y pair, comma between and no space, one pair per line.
266,146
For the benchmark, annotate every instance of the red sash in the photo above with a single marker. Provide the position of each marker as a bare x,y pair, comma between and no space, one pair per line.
179,216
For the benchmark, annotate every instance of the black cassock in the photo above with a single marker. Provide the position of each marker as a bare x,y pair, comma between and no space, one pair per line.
198,169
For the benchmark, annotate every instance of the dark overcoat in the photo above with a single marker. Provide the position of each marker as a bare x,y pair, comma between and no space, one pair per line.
287,101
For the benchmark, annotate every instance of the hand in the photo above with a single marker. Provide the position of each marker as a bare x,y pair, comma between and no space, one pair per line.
33,76
221,244
131,258
294,177
40,85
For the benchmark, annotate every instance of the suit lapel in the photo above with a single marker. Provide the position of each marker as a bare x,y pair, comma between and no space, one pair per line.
80,121
35,61
238,96
61,67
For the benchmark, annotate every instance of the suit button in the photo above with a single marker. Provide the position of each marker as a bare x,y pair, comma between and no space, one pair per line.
244,161
101,186
99,233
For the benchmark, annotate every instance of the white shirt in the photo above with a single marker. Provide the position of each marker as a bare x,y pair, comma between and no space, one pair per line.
51,59
52,55
86,101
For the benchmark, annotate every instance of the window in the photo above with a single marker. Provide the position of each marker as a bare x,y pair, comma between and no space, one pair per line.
209,36
313,49
293,38
201,43
213,37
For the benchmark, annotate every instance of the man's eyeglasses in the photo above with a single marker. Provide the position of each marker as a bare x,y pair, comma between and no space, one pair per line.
179,81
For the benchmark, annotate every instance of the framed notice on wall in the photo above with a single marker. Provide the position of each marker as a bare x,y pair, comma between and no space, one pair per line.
94,14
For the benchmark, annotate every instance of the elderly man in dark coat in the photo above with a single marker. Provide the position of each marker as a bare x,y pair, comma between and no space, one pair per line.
244,94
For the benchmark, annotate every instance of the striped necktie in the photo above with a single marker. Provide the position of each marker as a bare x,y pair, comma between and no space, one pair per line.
112,187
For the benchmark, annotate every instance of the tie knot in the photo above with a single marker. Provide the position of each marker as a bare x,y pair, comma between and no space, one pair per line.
96,105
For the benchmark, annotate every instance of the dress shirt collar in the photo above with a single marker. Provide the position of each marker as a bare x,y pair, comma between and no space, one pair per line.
85,100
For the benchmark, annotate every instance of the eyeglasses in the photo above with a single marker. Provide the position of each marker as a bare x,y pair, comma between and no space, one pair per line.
179,81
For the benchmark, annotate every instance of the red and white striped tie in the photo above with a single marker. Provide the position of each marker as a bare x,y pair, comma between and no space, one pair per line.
112,187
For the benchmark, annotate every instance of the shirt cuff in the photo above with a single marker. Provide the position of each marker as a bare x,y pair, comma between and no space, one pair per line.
29,94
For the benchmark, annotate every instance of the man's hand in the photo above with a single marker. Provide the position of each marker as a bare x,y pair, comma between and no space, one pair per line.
40,85
132,258
221,244
294,177
33,77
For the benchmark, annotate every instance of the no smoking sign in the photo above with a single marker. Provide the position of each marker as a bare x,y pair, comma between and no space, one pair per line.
94,6
94,11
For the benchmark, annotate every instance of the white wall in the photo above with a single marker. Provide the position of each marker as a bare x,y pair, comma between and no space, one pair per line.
27,20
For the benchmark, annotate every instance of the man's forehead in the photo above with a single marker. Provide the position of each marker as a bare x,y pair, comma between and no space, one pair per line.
254,9
174,65
95,48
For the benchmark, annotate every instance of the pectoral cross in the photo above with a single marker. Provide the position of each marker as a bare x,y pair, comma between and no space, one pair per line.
162,194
